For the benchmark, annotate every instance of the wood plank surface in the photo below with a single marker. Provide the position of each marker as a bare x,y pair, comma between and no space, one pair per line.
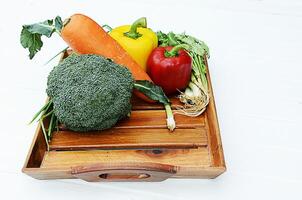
139,104
156,119
129,139
188,161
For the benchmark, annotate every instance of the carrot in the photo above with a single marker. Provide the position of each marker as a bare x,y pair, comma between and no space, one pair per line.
85,36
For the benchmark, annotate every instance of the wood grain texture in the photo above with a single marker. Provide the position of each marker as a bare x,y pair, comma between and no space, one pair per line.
189,162
139,104
129,139
215,144
36,150
157,119
150,119
123,171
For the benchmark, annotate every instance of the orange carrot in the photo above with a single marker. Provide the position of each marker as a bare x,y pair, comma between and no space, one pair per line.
85,36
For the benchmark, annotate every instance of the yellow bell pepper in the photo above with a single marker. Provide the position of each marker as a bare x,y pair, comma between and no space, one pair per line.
137,40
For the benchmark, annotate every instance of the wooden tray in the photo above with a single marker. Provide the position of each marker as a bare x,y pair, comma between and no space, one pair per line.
136,149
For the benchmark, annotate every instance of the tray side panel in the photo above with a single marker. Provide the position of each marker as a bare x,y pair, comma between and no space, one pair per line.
36,150
214,138
189,162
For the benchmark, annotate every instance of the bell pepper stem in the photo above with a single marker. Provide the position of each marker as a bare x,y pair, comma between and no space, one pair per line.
174,51
141,22
170,118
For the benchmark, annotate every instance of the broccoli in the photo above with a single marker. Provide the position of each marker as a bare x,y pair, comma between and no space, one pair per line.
90,92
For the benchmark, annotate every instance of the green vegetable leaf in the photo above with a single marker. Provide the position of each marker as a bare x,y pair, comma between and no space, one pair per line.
152,91
196,46
58,23
172,39
162,39
31,34
32,41
167,39
43,28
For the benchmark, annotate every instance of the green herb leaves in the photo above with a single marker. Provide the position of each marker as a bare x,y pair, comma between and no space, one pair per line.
31,34
171,39
43,28
152,91
196,46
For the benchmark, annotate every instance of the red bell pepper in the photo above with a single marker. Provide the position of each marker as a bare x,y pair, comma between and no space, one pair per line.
170,67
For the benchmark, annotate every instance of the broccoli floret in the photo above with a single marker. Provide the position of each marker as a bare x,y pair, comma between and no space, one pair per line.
90,92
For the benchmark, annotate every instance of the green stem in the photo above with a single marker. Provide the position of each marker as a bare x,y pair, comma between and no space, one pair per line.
44,133
141,22
174,51
170,118
204,82
156,93
63,50
48,107
66,21
47,114
58,32
43,109
50,126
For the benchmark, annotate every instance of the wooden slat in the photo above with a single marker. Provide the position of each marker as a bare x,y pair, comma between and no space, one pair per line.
186,160
157,119
139,104
129,139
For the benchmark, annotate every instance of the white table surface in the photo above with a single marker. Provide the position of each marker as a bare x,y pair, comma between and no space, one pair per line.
256,68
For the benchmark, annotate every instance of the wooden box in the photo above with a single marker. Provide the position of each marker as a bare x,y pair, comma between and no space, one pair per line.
136,149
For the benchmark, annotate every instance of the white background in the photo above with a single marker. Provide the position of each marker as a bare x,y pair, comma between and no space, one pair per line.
256,68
